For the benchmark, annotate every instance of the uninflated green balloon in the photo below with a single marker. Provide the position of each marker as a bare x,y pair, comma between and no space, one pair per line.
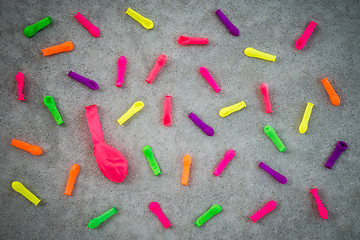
30,31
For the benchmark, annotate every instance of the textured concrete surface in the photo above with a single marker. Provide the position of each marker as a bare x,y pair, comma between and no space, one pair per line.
294,79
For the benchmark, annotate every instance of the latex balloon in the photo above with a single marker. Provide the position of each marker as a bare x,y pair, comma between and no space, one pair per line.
110,161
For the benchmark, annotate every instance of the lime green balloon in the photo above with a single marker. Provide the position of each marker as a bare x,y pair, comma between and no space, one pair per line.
30,31
98,220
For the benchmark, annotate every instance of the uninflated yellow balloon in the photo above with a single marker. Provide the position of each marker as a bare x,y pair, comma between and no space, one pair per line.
17,186
304,123
145,22
137,106
251,52
231,109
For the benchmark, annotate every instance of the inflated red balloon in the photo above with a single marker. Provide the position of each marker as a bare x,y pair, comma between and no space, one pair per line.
109,160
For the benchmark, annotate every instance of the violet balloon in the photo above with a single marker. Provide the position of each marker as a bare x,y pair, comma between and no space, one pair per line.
88,82
341,146
205,128
278,177
231,27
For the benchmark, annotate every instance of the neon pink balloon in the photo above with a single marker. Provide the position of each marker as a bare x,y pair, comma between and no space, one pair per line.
322,210
161,60
93,30
167,111
230,154
156,209
300,43
205,73
263,211
20,82
184,40
121,71
265,91
110,161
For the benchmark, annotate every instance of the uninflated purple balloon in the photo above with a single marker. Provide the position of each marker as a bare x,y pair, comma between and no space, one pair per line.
278,177
88,82
340,147
205,128
231,27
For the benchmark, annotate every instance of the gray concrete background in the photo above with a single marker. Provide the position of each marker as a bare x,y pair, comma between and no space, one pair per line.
294,79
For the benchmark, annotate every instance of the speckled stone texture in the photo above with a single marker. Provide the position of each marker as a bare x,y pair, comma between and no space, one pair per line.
242,188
